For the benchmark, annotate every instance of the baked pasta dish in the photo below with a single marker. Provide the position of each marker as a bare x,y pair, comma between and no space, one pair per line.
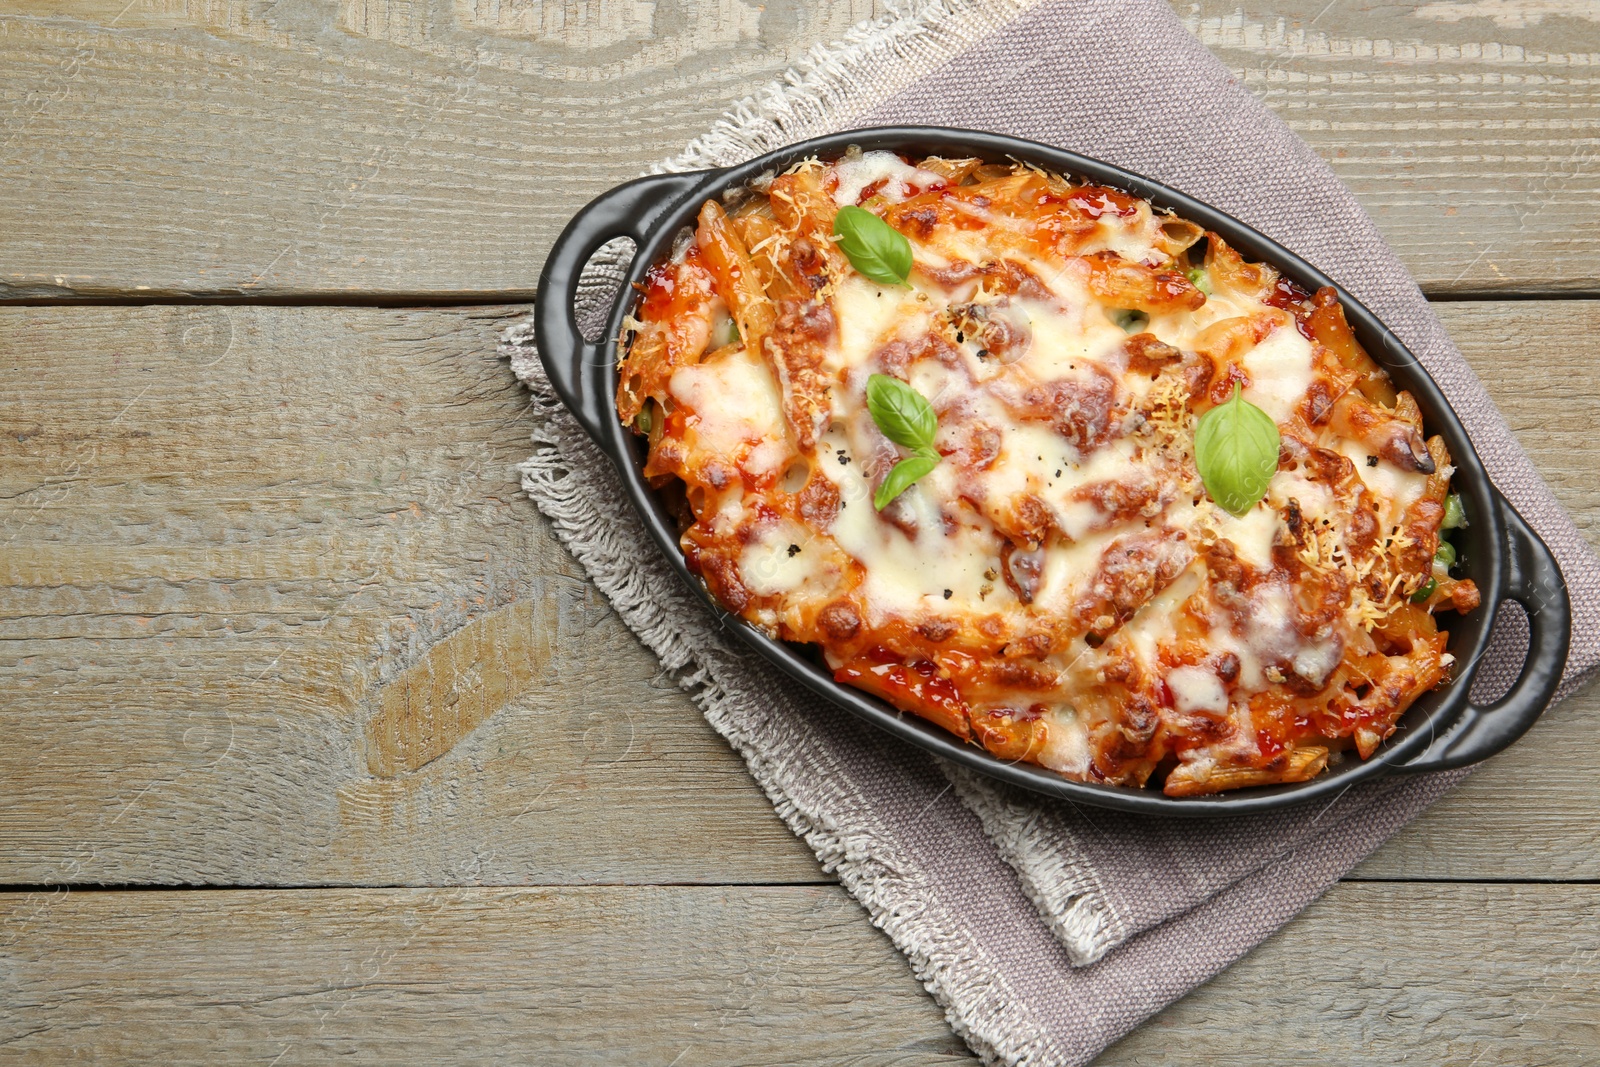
1048,467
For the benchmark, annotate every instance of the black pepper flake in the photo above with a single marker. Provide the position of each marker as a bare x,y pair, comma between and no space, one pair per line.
983,353
961,338
948,593
1372,461
1058,474
794,550
844,460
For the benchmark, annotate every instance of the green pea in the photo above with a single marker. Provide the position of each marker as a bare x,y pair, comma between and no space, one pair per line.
1455,513
1446,554
1131,320
1424,591
725,333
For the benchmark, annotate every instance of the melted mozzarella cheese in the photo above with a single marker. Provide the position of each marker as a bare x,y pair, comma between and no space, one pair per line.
777,561
899,179
735,400
1196,689
1251,534
1066,748
1393,488
908,574
870,315
1280,372
1315,499
1154,627
1269,634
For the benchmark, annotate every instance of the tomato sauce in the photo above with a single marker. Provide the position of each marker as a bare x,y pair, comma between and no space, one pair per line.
1097,200
916,686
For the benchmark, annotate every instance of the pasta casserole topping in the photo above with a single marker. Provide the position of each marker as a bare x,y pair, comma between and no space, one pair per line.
1052,573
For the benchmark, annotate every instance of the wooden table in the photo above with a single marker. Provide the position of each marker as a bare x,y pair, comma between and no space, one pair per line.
315,741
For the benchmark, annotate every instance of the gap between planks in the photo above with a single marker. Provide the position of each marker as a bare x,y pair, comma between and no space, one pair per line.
499,298
13,891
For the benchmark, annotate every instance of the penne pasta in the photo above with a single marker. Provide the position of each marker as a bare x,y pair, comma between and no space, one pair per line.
734,274
1332,331
1193,780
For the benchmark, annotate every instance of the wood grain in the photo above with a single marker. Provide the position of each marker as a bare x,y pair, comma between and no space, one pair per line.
1547,389
1471,140
415,149
715,975
1401,973
433,152
277,613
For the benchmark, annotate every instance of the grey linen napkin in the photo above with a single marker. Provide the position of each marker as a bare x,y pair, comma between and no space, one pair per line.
1046,931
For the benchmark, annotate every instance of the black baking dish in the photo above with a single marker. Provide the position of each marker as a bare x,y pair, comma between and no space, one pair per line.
1501,553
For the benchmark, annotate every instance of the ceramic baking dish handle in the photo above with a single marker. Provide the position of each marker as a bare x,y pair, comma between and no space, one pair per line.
1533,580
573,364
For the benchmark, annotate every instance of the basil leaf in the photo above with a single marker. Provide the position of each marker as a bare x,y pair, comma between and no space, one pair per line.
877,250
1236,450
903,475
906,418
902,413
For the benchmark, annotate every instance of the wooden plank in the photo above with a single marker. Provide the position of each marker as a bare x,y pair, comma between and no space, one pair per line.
1385,973
653,975
1382,972
371,146
1546,387
1468,131
274,613
437,156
